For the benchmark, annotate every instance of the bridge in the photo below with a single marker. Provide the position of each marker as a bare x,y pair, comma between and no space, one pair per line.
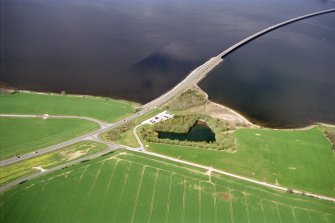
193,78
199,73
269,29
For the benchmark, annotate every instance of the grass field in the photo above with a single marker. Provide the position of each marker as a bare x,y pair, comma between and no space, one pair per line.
14,171
132,187
32,103
23,135
297,159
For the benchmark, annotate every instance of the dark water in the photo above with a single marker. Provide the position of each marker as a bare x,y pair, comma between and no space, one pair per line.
198,133
138,49
283,79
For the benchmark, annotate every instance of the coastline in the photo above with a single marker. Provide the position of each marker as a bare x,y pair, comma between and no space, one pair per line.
134,104
246,121
259,124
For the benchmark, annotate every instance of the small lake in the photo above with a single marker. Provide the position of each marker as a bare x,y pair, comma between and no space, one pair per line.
198,133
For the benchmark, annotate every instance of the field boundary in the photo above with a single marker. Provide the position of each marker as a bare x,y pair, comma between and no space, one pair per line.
27,178
262,183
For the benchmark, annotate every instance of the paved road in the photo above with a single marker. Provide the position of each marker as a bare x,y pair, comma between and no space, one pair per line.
194,77
269,29
46,116
211,169
23,179
90,136
207,168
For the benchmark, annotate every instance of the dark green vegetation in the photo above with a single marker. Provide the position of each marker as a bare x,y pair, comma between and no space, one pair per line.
198,133
14,171
124,134
182,124
297,159
115,134
121,135
133,187
330,134
104,109
178,124
189,98
23,135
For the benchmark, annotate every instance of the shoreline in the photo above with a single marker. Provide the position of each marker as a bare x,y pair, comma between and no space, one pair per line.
242,117
134,104
249,124
259,125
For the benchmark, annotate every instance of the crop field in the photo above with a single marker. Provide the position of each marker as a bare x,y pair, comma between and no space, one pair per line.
296,159
23,135
30,166
104,109
134,187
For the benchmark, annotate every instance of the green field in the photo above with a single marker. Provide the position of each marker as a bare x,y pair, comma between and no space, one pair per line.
23,135
297,159
17,170
104,109
133,187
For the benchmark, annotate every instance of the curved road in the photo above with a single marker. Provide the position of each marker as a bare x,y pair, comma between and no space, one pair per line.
23,179
46,116
193,78
269,29
211,169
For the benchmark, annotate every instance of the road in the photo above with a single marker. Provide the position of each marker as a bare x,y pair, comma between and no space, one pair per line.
23,179
46,116
138,138
269,29
211,169
193,78
141,149
90,136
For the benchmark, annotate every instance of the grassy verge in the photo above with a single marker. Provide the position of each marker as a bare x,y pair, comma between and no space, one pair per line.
298,159
123,135
26,167
182,124
133,187
104,109
23,135
187,99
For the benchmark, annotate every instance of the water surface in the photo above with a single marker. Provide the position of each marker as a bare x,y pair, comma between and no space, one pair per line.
283,79
138,49
198,133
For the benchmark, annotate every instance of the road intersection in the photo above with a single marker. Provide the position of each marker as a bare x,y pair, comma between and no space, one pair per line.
193,78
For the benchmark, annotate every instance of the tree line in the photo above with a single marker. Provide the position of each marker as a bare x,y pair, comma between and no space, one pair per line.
182,124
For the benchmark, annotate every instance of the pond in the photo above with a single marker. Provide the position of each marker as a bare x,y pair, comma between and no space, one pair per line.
198,133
